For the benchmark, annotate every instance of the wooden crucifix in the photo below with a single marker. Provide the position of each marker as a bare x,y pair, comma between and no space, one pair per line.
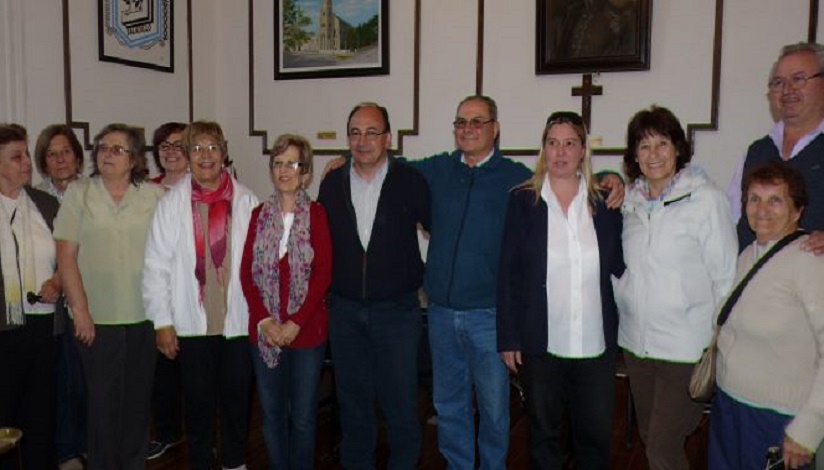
586,91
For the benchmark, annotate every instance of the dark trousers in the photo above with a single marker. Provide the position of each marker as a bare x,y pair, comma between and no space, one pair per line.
167,401
666,414
27,395
740,434
584,387
71,399
216,373
119,366
375,353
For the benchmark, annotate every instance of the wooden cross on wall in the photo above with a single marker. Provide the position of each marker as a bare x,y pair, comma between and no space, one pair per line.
586,91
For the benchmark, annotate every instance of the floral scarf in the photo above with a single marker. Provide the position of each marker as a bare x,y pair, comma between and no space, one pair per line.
220,212
265,261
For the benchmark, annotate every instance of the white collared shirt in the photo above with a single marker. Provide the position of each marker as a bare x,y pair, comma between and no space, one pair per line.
365,196
776,134
486,159
573,289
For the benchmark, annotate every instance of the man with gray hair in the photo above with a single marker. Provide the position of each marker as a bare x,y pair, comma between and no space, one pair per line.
796,97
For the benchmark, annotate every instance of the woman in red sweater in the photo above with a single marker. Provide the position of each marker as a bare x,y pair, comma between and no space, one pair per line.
285,273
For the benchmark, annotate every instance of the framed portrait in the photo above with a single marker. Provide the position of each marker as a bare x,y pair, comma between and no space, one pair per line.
139,33
588,36
331,38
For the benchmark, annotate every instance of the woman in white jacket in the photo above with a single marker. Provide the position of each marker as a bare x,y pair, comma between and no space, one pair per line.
192,293
680,249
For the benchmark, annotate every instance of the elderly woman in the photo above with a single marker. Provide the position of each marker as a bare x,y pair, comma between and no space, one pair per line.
561,243
680,248
59,158
169,154
28,349
100,232
285,273
770,373
170,158
192,293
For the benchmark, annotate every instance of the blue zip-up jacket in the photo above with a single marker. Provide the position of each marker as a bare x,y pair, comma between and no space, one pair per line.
468,212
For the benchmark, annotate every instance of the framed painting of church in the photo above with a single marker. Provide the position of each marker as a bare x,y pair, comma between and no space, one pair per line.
588,36
139,33
331,38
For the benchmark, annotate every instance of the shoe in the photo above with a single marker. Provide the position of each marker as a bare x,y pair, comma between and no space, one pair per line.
156,449
71,464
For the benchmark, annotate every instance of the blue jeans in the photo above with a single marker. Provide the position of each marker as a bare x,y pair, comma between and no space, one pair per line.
289,399
375,354
465,353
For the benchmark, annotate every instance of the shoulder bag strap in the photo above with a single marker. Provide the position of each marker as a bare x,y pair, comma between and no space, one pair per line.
736,293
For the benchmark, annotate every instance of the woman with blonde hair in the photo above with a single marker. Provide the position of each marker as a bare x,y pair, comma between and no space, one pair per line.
557,320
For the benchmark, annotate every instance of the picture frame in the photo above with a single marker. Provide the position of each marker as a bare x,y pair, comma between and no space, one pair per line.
313,39
590,36
138,33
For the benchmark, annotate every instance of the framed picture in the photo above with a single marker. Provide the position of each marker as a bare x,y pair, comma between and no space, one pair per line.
331,38
587,36
139,33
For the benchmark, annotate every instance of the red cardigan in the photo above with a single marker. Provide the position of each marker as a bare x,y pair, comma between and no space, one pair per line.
313,315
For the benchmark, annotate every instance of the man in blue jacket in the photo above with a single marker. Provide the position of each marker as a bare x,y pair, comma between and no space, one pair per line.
470,189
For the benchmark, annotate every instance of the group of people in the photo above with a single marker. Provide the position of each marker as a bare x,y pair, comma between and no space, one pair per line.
189,286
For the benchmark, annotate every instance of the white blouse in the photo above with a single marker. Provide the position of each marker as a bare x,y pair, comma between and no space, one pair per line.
573,289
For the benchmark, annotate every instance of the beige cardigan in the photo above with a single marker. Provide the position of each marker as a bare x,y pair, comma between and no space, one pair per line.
771,350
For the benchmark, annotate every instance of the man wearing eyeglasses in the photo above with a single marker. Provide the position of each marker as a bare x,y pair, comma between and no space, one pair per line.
470,188
796,97
374,204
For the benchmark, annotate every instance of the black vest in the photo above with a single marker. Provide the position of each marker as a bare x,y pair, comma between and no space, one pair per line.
810,162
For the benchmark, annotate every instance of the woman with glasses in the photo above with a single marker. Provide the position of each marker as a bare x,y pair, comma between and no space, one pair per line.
100,232
680,249
557,321
59,158
28,349
169,154
170,158
192,293
285,274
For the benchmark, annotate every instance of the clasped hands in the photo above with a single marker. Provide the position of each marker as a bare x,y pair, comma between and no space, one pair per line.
278,334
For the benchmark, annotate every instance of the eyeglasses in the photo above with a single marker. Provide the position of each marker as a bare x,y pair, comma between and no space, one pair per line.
796,82
370,135
64,152
279,165
474,123
198,150
115,150
564,117
167,146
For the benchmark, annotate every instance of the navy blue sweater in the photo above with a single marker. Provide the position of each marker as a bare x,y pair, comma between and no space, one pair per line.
391,265
810,162
522,302
468,211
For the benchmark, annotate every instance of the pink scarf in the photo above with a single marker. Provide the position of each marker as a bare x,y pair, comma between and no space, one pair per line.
220,212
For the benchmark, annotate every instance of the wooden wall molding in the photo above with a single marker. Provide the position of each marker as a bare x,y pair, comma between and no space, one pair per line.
83,126
416,95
